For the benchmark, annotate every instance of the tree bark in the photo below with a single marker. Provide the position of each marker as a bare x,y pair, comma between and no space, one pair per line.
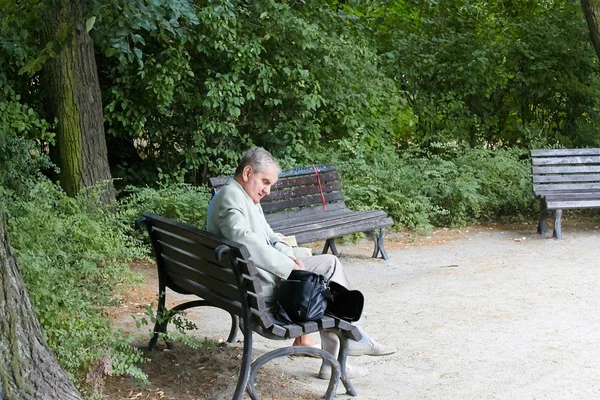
28,370
591,11
73,98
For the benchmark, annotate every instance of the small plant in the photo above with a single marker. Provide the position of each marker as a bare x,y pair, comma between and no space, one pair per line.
177,319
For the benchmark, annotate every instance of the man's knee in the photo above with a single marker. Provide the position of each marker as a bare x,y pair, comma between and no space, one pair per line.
328,259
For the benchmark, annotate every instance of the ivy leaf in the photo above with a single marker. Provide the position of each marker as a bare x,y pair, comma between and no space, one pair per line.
89,24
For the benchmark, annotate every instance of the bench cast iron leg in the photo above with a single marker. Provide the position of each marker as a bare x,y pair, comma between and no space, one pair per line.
342,356
378,241
158,326
330,244
286,351
557,224
543,213
245,369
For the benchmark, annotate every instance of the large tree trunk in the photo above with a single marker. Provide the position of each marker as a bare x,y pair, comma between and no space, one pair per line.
73,98
28,370
591,11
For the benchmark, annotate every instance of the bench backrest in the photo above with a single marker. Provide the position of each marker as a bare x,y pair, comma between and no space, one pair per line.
303,190
565,170
192,261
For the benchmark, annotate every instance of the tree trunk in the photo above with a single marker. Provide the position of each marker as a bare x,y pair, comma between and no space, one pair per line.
591,11
28,370
73,98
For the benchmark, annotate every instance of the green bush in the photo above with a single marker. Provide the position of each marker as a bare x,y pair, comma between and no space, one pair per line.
21,159
180,201
73,259
72,253
419,190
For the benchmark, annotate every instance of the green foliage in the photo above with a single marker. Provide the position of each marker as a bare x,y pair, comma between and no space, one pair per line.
407,97
281,76
182,326
73,262
20,163
21,160
490,73
181,202
419,189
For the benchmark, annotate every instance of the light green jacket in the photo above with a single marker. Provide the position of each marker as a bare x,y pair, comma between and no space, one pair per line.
233,215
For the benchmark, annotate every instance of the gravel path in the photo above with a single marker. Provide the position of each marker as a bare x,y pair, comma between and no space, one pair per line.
480,313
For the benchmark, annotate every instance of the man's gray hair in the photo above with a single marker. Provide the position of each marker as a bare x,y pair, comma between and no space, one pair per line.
259,159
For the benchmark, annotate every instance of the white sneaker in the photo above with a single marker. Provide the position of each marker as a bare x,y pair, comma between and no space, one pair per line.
352,372
369,349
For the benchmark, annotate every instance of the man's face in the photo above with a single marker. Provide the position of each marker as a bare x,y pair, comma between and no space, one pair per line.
258,184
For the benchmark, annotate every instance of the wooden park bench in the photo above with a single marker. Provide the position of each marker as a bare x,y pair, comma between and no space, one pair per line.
565,179
195,262
308,203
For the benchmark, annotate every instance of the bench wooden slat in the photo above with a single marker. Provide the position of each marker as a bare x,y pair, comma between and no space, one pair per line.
220,298
306,212
352,218
572,169
223,274
347,326
570,204
194,234
280,331
177,271
213,297
572,196
563,152
279,195
308,170
338,231
210,268
303,201
566,160
186,240
185,244
299,219
293,331
564,187
566,178
326,322
305,180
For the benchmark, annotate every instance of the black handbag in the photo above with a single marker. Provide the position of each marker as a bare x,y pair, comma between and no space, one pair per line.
302,297
344,303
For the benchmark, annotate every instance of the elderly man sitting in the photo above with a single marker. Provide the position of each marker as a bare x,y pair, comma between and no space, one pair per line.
235,213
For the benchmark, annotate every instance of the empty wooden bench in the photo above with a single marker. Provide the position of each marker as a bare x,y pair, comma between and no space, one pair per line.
308,203
195,262
565,179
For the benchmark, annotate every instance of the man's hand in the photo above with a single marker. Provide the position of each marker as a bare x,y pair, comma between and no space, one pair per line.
299,263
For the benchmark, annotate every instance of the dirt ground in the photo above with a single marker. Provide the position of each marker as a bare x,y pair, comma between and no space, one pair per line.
490,312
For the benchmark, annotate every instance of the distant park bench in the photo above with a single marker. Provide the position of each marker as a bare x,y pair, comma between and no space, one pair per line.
192,261
308,203
565,179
